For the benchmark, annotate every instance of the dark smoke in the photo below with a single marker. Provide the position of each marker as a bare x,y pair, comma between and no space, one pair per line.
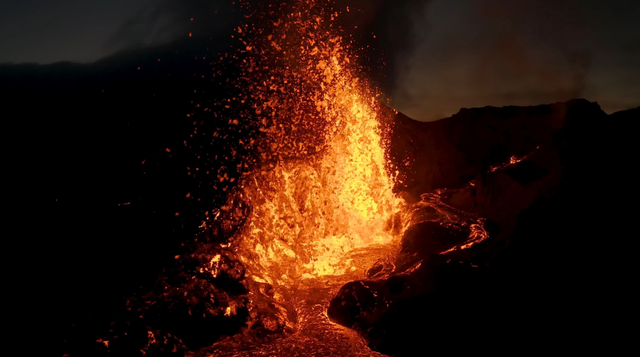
392,22
496,52
388,31
163,21
433,57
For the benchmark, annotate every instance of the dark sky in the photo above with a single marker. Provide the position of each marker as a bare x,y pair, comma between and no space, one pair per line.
450,53
499,52
45,31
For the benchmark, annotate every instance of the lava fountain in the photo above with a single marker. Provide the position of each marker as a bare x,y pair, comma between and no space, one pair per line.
322,193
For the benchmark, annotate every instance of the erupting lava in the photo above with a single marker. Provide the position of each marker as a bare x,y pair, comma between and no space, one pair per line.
324,192
314,207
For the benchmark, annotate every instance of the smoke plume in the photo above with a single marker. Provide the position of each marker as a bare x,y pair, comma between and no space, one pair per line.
433,57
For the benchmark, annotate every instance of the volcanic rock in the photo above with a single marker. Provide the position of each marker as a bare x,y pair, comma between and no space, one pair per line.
197,300
450,152
550,255
197,312
427,238
417,308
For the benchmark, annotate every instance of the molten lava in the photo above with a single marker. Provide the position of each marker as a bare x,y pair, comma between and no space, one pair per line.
309,216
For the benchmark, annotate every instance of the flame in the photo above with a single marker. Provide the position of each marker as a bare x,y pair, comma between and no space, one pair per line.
326,193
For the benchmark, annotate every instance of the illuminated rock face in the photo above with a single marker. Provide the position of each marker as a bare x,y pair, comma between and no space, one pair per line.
450,152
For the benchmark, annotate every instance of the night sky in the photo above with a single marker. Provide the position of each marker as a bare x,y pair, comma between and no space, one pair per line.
443,54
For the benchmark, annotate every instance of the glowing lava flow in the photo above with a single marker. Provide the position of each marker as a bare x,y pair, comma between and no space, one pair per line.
325,191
